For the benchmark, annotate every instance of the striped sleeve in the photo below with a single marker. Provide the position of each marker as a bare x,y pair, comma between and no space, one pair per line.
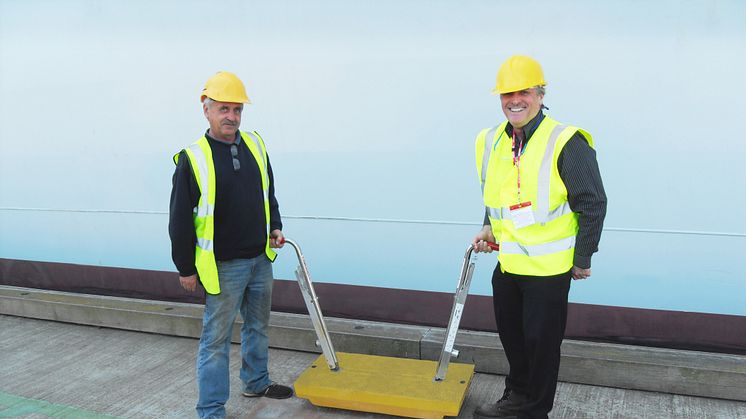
579,171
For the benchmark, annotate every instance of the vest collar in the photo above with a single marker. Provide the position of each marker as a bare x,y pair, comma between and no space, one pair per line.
528,129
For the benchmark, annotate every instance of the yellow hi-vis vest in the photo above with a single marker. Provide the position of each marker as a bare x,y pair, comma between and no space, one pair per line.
546,247
203,167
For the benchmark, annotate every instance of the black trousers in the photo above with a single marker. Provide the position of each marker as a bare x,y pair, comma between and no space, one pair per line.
531,314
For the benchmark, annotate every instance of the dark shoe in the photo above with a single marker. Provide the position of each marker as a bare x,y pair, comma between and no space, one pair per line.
505,408
274,391
478,416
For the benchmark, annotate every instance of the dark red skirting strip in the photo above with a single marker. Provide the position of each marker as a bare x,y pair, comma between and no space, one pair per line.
661,328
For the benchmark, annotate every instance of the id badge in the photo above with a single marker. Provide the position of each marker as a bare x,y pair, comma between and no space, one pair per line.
522,215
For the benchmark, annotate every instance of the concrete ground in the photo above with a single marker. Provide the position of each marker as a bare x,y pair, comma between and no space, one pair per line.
60,370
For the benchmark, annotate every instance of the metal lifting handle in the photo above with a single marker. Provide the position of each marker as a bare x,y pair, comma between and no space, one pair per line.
314,310
462,290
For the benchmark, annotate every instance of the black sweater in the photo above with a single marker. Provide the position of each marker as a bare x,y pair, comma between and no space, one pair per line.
240,226
578,169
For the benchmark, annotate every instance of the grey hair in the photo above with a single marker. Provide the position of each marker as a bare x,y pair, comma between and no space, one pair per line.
541,90
208,102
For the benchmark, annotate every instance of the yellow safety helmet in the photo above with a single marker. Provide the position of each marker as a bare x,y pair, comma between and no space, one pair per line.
225,87
517,73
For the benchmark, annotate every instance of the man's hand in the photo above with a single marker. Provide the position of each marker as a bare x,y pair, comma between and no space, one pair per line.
189,283
580,273
481,238
276,239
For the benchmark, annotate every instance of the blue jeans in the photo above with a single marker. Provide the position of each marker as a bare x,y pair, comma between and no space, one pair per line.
245,285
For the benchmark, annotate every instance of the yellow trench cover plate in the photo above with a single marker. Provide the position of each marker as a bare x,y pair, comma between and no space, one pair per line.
379,384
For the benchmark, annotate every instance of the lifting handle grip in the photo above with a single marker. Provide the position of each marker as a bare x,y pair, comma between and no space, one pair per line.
491,245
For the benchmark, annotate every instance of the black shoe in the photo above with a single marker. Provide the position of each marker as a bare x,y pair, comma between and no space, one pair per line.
505,408
274,391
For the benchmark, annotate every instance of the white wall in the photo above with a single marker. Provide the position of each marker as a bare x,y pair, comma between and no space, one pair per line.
370,110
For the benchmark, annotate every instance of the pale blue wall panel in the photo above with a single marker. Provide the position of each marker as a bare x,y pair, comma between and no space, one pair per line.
369,110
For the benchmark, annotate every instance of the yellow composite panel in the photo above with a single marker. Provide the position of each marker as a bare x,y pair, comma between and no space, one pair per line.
379,384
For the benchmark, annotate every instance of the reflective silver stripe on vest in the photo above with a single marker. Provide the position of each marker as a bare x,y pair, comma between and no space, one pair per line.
494,213
559,211
532,250
497,213
541,214
486,154
210,209
260,150
205,209
265,191
204,244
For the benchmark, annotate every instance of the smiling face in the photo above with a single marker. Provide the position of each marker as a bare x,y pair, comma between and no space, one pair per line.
224,118
522,106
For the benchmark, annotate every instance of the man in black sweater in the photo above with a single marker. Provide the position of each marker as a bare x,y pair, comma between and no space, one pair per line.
224,223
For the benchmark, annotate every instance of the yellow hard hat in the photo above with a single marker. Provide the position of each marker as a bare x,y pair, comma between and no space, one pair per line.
517,73
225,87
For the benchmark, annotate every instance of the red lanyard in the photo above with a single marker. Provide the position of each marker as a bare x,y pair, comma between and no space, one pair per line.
517,163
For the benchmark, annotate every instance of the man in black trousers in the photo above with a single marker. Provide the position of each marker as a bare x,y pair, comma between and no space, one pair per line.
545,205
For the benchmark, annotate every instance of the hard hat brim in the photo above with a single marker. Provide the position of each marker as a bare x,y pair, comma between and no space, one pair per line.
496,92
203,97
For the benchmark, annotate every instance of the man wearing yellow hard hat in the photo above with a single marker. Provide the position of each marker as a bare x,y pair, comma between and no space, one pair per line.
224,224
544,206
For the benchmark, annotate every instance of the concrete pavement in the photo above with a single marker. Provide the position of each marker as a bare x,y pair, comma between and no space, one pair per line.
61,370
663,370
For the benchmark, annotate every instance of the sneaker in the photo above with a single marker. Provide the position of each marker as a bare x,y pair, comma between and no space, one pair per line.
274,391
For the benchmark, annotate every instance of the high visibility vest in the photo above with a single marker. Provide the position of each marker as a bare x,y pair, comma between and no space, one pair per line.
546,247
203,167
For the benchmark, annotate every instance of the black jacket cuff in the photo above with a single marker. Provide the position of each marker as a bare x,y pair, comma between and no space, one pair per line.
583,262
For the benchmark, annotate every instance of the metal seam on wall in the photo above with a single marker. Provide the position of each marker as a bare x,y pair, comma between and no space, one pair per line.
383,220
